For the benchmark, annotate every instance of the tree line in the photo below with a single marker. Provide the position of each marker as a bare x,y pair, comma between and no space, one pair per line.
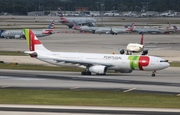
21,7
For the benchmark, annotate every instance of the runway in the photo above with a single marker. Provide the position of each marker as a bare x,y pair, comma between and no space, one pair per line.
166,81
72,110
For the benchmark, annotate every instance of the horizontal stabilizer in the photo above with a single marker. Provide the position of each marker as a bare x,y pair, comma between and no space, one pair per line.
31,53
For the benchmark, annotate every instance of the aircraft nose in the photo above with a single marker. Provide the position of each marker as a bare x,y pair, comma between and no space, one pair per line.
167,64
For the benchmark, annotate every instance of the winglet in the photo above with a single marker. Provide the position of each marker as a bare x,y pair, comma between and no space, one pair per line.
59,12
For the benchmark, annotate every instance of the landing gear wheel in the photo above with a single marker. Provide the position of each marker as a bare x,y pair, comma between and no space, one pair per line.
85,73
88,73
153,75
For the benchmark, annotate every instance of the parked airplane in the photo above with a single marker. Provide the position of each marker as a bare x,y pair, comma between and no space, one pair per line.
176,29
135,47
79,20
92,62
148,30
20,34
89,29
115,31
167,30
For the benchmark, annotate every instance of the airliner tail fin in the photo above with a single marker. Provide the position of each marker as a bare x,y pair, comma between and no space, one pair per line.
33,42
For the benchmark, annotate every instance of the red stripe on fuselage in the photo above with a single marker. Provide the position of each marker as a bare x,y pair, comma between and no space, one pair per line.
143,62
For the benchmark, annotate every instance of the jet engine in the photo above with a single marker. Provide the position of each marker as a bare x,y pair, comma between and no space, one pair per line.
107,32
98,69
17,36
92,24
145,52
135,47
122,51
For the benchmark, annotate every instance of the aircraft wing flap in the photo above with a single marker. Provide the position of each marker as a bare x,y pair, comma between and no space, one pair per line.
84,63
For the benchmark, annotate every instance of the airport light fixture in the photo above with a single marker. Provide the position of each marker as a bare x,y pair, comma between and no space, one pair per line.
97,3
102,6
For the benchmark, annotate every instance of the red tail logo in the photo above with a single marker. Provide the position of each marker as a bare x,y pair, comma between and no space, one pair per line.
33,41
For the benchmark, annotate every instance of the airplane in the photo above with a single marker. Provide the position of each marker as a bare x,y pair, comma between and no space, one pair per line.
148,30
88,29
168,30
93,62
79,20
135,47
115,31
20,34
160,30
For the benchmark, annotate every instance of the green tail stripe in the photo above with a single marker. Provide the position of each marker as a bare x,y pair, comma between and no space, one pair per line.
26,33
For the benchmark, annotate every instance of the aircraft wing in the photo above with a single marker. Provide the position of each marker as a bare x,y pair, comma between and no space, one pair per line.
114,31
81,62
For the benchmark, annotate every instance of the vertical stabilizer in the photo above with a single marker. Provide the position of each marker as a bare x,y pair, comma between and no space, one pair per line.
33,43
175,28
60,12
51,25
142,38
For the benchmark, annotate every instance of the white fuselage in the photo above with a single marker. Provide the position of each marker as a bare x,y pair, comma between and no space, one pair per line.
79,20
19,33
112,61
135,47
101,30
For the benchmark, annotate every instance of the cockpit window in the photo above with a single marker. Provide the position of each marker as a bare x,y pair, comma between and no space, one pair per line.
164,61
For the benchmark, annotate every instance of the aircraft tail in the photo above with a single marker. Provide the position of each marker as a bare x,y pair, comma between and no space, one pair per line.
142,38
50,28
131,27
33,43
76,26
51,25
175,28
169,24
60,12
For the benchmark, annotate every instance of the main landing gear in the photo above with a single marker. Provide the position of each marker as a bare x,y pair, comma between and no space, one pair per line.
85,73
153,73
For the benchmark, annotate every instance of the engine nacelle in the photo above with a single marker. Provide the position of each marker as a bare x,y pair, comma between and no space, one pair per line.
122,51
107,32
135,47
124,71
145,52
98,69
17,36
93,24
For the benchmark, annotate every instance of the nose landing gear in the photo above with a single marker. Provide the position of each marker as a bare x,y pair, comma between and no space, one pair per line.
153,73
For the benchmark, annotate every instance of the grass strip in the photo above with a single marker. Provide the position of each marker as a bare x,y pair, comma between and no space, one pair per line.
88,98
17,66
12,53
